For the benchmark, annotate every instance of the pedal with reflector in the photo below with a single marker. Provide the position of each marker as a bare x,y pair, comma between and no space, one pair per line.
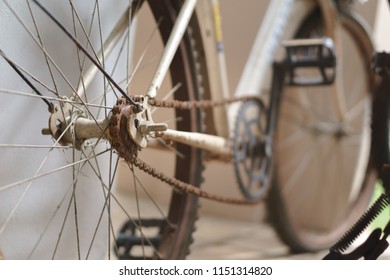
310,62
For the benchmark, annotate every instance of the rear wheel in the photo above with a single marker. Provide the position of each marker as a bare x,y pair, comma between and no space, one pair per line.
58,201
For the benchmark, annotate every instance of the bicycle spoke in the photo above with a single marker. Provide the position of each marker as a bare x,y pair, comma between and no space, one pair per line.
75,103
21,69
112,176
306,109
300,165
76,168
51,219
292,139
138,183
122,208
71,187
71,201
85,52
145,49
136,197
81,64
148,194
355,111
38,44
19,146
89,43
28,180
17,69
86,74
106,192
44,53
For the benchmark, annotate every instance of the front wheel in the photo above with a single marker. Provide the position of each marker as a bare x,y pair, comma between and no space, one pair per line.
323,179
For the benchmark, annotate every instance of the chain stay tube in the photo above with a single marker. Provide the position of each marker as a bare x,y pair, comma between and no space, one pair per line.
216,145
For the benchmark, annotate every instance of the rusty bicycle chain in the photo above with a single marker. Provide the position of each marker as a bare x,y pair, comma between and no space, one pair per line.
198,104
180,185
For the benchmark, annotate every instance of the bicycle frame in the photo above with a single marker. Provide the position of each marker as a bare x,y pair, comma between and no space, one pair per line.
261,55
258,63
221,123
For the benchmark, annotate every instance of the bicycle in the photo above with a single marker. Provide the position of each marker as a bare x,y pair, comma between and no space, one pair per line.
106,117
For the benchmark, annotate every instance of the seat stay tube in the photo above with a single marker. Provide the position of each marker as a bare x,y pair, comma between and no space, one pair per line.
174,40
262,53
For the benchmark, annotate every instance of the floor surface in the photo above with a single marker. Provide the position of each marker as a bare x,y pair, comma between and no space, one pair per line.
218,238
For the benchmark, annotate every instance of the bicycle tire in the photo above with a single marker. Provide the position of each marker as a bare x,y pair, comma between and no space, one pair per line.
22,237
380,130
305,212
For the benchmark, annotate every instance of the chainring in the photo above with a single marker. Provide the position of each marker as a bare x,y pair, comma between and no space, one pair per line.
252,153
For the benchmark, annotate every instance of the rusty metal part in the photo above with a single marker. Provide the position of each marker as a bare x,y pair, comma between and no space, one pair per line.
128,148
118,133
188,188
202,104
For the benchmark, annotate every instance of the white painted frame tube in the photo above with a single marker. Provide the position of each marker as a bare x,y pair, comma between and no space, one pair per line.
170,49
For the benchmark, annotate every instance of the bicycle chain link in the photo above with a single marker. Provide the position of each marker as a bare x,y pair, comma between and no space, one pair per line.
173,182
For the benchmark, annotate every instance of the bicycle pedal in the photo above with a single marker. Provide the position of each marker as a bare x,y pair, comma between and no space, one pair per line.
138,239
310,62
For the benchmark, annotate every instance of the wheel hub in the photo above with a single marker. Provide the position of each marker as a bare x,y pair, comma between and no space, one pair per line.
325,128
62,123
